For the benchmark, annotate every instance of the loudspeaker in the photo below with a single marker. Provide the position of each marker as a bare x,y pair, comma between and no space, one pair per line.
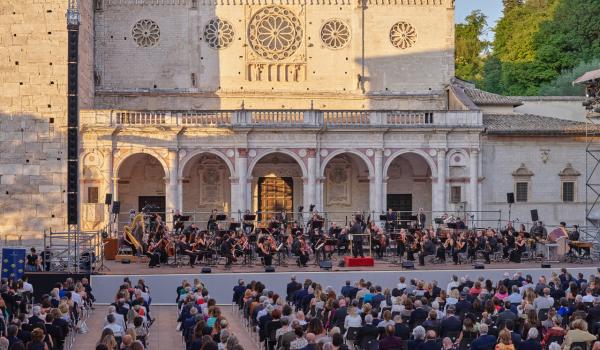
108,199
546,265
72,212
72,79
438,221
72,117
534,215
125,261
408,265
478,266
116,207
206,270
510,198
72,176
269,268
326,265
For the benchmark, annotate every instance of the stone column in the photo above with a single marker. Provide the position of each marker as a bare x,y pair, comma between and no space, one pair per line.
439,186
115,181
474,183
171,194
311,168
239,190
108,171
180,194
378,182
384,191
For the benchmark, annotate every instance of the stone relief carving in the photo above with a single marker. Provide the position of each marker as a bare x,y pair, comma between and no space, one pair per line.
403,35
210,187
338,175
218,33
146,33
275,33
276,72
335,34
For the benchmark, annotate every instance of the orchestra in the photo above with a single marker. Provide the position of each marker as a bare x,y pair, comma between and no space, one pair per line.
404,237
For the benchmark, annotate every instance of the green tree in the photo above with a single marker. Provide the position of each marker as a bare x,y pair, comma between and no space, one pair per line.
509,5
469,59
562,85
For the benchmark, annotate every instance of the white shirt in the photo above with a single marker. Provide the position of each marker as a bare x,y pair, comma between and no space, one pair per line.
401,286
588,298
77,298
117,330
352,321
451,285
27,287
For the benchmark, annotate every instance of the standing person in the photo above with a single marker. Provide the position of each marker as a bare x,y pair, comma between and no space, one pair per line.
33,261
357,240
421,218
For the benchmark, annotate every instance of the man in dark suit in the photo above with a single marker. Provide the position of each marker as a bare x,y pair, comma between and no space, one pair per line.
418,338
463,305
391,219
484,341
421,218
238,292
347,289
36,320
55,332
390,341
532,342
11,333
401,329
419,314
430,342
367,332
292,288
340,315
451,325
506,314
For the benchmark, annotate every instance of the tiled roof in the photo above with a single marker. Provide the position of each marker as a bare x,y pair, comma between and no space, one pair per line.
484,98
530,124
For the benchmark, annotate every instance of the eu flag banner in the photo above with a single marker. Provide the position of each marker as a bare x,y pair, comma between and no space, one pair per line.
13,262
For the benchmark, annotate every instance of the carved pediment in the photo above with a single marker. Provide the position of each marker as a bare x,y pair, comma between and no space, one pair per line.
523,171
569,171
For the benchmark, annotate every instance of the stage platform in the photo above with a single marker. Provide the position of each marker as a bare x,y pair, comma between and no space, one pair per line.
163,281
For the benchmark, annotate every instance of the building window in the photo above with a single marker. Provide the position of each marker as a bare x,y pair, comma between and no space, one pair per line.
92,195
568,191
455,194
522,189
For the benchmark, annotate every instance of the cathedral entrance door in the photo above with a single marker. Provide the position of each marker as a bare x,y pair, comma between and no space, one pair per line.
275,194
403,204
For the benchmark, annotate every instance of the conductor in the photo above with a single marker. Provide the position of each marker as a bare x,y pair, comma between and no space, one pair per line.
357,239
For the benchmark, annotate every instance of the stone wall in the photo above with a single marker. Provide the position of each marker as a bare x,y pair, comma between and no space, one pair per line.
545,158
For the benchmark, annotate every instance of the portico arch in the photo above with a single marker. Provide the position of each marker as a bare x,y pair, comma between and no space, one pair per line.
358,154
196,152
409,183
281,151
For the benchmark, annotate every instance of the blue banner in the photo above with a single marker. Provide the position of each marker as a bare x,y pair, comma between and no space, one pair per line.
13,262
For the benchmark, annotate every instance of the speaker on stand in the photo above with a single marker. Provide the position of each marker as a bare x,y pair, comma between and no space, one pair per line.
534,216
510,199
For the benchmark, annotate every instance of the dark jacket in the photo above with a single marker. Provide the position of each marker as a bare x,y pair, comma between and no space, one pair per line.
529,344
484,342
390,343
450,325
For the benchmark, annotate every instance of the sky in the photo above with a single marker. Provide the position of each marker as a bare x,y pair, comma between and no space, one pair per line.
491,8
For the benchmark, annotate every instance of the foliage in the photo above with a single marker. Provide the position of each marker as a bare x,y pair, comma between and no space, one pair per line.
563,84
470,47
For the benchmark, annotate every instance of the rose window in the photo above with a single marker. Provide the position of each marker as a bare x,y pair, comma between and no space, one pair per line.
403,35
275,33
218,33
335,34
146,33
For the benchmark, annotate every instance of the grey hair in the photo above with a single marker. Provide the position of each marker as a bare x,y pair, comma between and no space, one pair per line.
368,319
533,333
483,328
554,346
419,332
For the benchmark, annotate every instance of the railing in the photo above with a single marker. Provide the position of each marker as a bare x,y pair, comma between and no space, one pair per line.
286,118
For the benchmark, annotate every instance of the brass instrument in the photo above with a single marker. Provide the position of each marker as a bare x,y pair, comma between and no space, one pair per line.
128,235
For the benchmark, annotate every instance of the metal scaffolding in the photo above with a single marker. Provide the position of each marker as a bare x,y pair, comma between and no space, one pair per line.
591,232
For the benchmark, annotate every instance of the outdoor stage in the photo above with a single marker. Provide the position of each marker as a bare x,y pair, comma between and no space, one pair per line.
163,281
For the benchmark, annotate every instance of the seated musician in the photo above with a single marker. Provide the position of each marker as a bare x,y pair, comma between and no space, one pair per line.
201,246
427,248
264,250
211,225
178,222
283,219
227,249
379,240
190,230
483,246
156,252
185,248
538,231
342,239
515,255
460,247
303,252
509,244
248,223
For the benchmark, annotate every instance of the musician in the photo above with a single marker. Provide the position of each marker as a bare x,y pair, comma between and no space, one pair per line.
211,225
248,224
178,222
155,252
185,248
264,250
401,243
379,240
189,231
391,220
421,217
460,247
342,239
227,250
200,246
357,240
509,244
315,221
574,237
303,252
519,249
483,245
282,218
538,231
427,248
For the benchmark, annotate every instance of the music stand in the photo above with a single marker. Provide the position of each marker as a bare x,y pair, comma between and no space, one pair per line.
221,217
249,217
383,217
438,221
234,226
317,224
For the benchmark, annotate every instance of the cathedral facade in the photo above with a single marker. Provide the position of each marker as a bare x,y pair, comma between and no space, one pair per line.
235,105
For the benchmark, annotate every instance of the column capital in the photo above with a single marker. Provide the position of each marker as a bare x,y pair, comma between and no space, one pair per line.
311,152
474,151
378,152
243,152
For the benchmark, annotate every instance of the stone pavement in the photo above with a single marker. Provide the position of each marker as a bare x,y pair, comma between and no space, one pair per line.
162,333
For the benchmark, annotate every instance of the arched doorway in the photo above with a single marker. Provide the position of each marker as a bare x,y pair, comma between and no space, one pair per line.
206,186
346,186
277,184
141,182
409,185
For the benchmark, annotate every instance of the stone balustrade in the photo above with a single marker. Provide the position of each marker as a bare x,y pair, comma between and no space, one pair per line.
285,118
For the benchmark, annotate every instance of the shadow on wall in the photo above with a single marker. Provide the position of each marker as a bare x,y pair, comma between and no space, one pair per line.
32,176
